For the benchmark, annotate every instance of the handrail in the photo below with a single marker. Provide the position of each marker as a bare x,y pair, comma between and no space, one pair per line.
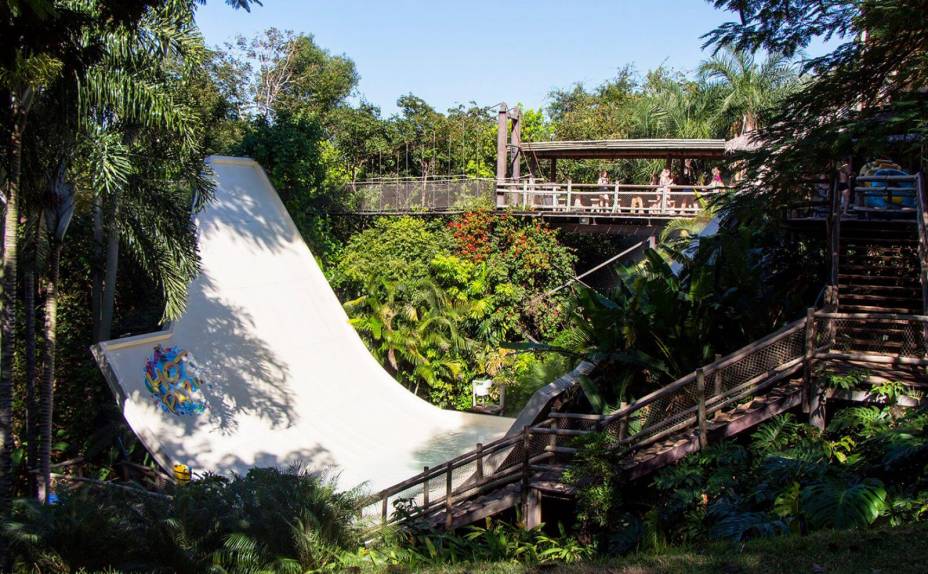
606,200
647,242
713,366
922,219
729,380
834,239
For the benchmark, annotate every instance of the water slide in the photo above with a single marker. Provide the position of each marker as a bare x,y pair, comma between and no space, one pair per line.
263,368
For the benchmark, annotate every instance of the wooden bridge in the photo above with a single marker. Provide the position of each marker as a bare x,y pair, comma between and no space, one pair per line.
539,194
780,372
527,197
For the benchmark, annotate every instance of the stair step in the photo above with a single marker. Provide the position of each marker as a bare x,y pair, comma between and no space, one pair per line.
907,278
880,241
872,297
856,266
854,287
875,309
874,255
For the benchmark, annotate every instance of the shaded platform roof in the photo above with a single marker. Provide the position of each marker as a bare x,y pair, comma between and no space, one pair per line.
627,149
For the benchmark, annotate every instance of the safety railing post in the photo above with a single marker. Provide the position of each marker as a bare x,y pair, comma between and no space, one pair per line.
383,509
425,490
701,408
569,192
552,439
623,422
813,400
615,199
524,195
526,461
479,473
449,499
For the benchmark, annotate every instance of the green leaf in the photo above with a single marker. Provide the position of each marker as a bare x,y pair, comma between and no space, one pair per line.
834,504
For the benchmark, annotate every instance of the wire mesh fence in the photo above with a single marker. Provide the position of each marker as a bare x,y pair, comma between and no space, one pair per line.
903,337
729,380
421,195
732,380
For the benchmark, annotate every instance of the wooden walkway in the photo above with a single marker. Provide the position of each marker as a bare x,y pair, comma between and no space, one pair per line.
553,200
725,398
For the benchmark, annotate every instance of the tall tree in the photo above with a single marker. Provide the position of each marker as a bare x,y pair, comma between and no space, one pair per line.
865,98
750,88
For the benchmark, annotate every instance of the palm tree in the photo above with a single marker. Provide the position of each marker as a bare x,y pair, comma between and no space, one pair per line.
57,218
125,103
134,101
749,87
23,80
412,325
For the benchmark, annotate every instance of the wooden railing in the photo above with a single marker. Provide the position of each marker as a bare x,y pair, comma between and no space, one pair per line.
605,200
888,188
686,403
921,205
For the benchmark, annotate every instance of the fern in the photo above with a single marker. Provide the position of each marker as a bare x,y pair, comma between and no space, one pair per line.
775,436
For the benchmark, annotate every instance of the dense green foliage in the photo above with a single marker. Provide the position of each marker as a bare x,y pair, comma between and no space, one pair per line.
861,101
437,300
689,301
267,520
867,468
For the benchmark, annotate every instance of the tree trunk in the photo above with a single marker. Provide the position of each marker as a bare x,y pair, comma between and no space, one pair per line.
47,389
748,123
31,412
7,323
96,285
109,282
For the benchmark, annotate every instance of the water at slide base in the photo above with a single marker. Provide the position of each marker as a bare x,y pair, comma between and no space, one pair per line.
264,369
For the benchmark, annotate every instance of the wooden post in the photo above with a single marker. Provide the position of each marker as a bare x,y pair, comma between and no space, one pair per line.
425,490
623,422
448,499
701,408
552,439
615,198
532,510
383,509
526,460
516,160
479,473
569,190
834,232
502,138
813,400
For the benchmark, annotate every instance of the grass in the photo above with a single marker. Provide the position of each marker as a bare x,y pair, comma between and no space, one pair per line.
902,550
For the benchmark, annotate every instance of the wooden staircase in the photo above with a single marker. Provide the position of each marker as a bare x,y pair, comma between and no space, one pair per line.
878,268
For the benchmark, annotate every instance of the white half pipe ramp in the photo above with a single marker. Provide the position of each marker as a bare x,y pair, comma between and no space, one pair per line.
263,369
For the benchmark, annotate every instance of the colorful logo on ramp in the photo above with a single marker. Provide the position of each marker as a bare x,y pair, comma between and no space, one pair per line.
171,378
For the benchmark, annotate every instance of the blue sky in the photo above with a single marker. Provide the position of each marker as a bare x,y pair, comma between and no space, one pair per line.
451,52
